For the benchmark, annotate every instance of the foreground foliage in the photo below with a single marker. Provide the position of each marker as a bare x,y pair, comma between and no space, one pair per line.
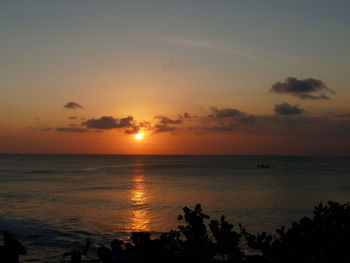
324,238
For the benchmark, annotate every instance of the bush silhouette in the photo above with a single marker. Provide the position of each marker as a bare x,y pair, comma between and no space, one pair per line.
324,238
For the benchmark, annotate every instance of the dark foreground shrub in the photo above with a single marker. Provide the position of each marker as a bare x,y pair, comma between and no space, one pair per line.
324,238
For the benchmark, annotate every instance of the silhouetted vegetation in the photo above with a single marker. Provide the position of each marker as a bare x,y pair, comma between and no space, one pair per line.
12,248
323,238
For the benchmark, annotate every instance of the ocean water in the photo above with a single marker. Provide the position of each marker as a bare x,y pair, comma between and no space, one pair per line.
54,203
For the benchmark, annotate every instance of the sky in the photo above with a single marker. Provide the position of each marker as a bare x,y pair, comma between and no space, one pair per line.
194,77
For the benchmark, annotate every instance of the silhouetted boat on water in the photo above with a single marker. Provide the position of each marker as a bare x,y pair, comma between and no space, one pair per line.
263,165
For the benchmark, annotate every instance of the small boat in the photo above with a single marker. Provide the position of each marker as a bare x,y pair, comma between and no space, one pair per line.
263,165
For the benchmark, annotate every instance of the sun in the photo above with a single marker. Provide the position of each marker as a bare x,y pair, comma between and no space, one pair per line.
139,136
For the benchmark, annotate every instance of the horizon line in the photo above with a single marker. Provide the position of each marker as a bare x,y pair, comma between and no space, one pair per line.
184,154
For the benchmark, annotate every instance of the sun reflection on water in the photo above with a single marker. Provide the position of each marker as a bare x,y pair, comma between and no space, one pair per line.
139,215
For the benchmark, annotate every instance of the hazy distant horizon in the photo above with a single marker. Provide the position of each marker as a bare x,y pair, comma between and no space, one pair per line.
238,155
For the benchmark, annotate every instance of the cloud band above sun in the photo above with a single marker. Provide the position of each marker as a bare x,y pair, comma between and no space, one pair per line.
287,119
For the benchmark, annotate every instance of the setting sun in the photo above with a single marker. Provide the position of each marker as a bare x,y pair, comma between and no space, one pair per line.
139,136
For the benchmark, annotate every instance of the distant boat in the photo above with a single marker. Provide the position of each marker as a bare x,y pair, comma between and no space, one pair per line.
263,165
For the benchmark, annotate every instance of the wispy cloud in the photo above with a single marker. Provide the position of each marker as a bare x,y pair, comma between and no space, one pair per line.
214,46
72,129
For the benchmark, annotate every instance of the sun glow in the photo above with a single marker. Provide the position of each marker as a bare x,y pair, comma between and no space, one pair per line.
139,136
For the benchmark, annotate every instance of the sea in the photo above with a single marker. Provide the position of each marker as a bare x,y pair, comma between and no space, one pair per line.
55,203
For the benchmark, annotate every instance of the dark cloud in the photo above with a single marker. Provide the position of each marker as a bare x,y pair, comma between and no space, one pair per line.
72,118
226,119
290,123
165,120
313,97
145,125
72,129
231,115
163,128
73,105
131,126
105,122
310,88
132,130
234,120
287,109
46,129
186,115
108,122
164,124
225,113
128,124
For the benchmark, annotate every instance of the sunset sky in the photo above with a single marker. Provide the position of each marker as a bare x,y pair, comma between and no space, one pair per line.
194,77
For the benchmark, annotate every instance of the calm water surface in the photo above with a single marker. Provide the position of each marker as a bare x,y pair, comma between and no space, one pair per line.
53,203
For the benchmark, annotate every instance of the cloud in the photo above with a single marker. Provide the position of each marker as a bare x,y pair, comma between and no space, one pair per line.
310,88
72,129
46,129
231,114
186,115
287,109
73,105
132,130
225,113
236,121
72,118
164,124
228,120
225,120
165,120
108,122
128,123
163,128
